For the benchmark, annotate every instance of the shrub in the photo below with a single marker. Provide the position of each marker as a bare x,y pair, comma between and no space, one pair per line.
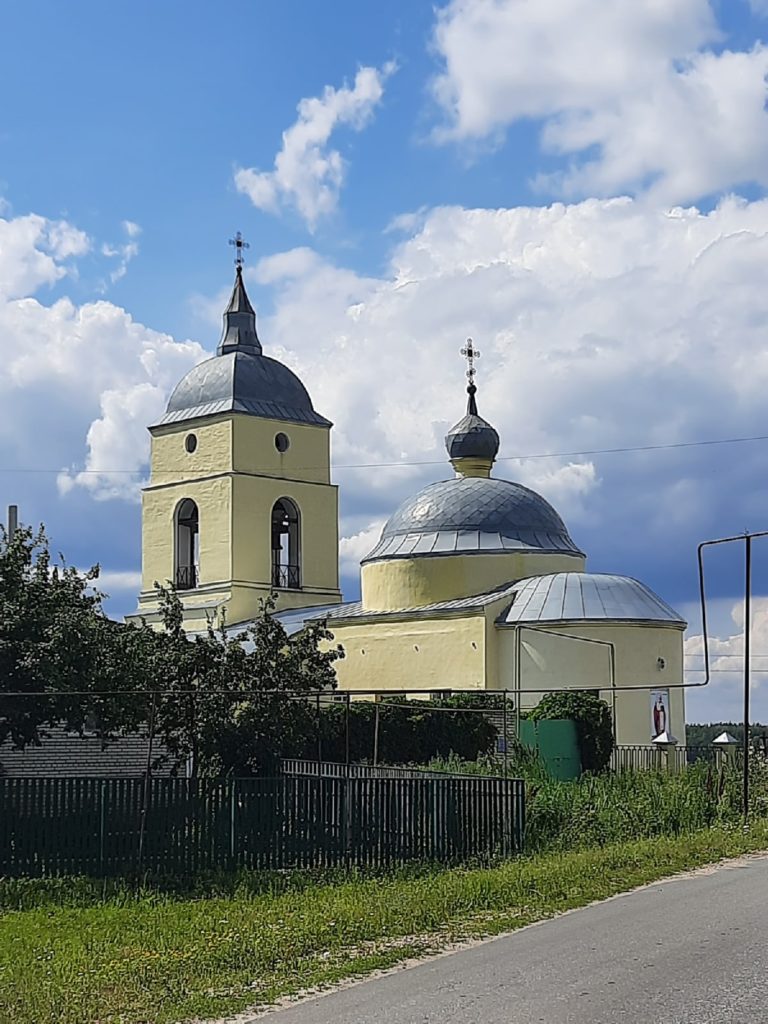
593,724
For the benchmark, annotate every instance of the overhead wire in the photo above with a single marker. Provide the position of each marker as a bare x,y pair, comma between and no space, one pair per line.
406,463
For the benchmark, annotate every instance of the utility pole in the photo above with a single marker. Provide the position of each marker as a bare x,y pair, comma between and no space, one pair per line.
13,520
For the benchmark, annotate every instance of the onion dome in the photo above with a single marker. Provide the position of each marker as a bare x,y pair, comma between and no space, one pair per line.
240,378
472,437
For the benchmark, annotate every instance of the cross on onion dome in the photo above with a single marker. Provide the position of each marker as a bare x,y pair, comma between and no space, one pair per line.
471,353
239,243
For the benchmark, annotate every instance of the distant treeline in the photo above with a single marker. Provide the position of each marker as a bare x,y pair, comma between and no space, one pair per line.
702,735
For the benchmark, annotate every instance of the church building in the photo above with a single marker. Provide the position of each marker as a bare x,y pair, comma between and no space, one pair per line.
475,583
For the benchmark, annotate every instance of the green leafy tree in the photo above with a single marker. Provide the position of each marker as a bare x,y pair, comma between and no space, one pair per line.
594,725
59,649
231,702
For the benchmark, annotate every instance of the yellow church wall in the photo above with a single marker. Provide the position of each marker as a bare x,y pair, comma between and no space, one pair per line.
235,475
253,499
170,461
416,654
550,662
254,450
159,504
413,582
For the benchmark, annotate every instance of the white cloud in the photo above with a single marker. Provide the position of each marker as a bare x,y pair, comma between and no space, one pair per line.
354,548
308,175
111,581
723,698
124,251
630,92
75,374
32,251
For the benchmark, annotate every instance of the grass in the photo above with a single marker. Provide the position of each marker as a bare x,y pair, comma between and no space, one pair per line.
72,954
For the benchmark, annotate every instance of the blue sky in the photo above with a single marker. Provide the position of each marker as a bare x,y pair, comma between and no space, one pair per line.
579,184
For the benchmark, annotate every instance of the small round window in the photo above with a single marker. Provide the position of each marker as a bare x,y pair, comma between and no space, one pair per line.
190,442
282,442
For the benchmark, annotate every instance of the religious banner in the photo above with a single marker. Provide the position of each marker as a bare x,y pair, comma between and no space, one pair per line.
659,713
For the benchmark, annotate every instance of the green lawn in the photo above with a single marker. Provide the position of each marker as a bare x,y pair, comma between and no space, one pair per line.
69,957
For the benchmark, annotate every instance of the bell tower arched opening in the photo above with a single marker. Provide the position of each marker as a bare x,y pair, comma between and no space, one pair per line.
187,526
286,565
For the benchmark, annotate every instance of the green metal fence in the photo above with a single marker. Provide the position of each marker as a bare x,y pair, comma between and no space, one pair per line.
108,827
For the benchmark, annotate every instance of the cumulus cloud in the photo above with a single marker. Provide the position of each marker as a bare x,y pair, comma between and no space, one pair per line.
308,174
601,324
33,251
75,375
632,93
724,696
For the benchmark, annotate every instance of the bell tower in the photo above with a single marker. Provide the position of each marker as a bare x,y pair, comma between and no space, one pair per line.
239,501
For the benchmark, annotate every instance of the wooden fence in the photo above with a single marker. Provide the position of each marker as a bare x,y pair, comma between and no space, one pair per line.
101,827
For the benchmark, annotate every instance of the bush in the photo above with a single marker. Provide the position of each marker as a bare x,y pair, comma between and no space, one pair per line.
593,724
410,732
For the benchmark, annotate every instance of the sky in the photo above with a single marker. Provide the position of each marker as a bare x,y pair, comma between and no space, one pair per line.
578,185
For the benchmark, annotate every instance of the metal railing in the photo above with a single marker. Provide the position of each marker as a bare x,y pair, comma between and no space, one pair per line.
286,577
645,758
186,577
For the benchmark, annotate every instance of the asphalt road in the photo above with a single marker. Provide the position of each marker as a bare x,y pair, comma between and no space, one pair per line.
693,950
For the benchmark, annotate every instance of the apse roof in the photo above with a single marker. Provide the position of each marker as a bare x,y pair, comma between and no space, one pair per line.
581,596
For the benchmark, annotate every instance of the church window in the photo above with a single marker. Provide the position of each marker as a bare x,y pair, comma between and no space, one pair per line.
282,442
187,545
190,442
285,545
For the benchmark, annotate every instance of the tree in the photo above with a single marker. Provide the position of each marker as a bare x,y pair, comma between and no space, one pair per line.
58,648
594,725
229,700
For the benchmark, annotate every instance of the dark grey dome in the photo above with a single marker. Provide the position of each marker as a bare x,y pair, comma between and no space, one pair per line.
473,514
242,382
472,438
240,378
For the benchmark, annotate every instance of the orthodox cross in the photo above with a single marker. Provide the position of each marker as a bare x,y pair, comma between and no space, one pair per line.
239,243
470,353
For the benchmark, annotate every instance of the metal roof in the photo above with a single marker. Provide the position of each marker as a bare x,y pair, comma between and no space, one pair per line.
473,514
581,596
295,619
240,381
472,438
239,378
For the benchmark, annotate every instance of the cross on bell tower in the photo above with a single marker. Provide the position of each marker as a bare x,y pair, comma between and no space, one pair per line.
239,243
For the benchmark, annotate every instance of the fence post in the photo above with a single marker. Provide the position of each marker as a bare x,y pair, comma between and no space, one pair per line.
102,824
232,823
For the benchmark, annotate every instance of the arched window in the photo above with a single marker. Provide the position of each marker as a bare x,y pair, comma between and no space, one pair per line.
285,545
187,545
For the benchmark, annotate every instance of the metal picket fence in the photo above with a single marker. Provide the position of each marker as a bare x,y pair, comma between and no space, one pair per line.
110,827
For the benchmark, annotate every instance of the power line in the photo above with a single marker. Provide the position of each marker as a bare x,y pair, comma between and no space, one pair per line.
628,449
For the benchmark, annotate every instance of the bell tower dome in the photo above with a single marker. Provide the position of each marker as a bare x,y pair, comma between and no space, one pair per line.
240,501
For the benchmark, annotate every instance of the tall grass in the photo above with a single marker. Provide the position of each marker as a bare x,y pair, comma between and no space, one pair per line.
596,810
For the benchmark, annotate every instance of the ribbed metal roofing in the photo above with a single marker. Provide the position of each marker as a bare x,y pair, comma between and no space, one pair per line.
581,596
473,514
294,619
242,382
